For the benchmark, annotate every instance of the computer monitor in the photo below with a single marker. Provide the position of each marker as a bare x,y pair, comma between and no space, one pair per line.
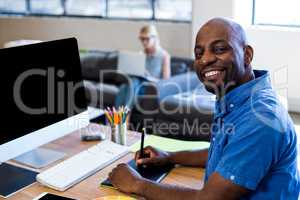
42,95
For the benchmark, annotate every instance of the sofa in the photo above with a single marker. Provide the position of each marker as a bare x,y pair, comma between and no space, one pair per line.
179,107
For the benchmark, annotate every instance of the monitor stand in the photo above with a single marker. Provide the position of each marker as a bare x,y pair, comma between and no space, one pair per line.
39,158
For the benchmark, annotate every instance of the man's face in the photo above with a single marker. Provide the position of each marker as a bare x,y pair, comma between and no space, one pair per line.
219,58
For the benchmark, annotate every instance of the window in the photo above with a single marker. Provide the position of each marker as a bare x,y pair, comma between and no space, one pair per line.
171,10
9,6
85,8
130,9
53,7
277,12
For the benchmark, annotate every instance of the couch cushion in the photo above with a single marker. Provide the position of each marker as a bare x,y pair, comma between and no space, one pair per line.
181,65
178,84
178,68
189,105
92,62
100,94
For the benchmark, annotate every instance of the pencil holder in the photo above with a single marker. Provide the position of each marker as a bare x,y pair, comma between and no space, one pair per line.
123,133
117,119
119,133
115,134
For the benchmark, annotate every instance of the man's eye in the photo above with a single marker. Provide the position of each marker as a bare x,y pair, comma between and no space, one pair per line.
198,54
219,50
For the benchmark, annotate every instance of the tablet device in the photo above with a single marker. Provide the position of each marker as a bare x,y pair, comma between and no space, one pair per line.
48,196
14,179
152,173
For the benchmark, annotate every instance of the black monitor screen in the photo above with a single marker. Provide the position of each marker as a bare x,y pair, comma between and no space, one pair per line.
41,84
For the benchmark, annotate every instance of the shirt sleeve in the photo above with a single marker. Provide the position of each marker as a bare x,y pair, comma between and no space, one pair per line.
249,154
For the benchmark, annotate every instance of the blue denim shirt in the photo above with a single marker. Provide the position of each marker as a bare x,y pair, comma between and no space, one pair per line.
254,142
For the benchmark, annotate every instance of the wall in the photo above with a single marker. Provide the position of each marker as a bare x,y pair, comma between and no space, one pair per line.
277,50
203,10
95,33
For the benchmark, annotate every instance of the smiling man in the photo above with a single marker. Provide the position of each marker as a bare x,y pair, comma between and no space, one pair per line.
253,152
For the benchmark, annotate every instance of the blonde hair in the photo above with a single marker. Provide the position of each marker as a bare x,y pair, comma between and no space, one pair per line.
152,32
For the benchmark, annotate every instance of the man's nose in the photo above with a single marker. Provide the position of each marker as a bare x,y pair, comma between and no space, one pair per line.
207,58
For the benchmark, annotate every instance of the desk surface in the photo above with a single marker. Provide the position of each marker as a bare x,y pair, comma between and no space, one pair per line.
89,188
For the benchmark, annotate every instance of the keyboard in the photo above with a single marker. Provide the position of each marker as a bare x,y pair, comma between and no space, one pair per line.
75,169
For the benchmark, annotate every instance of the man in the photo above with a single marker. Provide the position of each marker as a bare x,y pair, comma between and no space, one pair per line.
253,143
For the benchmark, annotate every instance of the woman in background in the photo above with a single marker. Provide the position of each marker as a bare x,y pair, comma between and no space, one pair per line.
157,59
157,67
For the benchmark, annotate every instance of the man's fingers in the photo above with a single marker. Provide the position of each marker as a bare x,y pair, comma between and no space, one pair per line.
121,165
148,148
137,155
110,177
148,151
147,161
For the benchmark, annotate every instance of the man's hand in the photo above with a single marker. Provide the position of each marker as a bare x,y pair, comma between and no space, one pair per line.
155,157
124,178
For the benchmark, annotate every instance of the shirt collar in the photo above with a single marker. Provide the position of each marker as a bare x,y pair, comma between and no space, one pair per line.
240,94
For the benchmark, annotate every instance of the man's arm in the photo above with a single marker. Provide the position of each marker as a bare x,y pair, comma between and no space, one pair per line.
217,188
196,158
166,68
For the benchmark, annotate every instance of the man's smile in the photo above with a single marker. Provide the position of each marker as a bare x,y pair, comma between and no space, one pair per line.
213,74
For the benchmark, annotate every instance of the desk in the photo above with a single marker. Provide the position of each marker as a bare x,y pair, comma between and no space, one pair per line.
89,188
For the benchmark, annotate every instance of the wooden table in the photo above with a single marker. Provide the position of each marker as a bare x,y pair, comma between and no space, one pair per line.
89,188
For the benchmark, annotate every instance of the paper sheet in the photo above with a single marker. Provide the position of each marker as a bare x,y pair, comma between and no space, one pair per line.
168,144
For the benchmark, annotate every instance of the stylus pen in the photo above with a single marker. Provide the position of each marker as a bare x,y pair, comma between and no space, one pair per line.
142,143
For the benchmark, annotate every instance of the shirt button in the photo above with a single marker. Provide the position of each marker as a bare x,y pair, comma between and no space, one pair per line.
231,105
214,139
232,177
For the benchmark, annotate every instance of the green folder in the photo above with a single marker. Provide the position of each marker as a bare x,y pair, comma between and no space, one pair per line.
171,145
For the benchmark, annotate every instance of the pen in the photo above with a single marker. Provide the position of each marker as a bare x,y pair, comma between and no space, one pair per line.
142,144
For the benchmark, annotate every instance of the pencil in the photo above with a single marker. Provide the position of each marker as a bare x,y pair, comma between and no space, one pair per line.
116,118
108,117
142,144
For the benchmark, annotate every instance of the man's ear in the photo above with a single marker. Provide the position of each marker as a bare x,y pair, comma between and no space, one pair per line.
248,55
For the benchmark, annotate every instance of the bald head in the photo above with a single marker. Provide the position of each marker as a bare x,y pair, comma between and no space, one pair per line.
227,27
